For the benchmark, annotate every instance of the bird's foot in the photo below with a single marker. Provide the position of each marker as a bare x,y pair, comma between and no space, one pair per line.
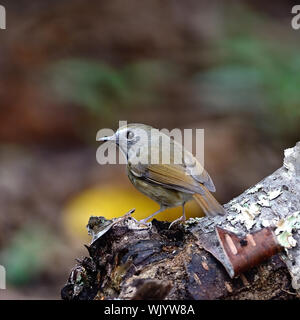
143,222
181,219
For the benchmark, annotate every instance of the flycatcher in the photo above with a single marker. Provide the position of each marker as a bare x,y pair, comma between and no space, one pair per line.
164,170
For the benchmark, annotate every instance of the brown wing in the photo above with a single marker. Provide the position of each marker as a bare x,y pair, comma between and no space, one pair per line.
168,175
203,178
183,173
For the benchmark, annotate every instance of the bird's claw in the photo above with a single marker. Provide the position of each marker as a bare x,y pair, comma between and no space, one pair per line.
143,222
181,219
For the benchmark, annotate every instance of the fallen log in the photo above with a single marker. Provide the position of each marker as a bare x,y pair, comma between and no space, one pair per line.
252,252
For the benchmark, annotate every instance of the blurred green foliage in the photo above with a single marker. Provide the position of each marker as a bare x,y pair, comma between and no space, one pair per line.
88,84
27,254
254,73
250,71
99,87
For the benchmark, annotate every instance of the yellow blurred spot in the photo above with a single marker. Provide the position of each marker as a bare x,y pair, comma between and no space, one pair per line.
113,201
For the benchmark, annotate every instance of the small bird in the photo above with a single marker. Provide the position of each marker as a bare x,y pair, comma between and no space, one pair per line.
170,183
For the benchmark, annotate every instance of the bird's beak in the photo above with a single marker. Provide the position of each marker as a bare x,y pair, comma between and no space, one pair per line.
111,138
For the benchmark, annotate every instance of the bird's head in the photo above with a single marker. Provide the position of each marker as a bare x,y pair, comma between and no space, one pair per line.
131,137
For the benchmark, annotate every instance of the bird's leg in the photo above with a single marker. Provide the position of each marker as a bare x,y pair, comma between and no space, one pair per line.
144,221
180,219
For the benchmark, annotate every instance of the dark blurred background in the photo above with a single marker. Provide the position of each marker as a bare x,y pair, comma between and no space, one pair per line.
69,68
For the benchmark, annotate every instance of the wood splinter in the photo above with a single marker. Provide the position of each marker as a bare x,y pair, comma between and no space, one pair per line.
245,253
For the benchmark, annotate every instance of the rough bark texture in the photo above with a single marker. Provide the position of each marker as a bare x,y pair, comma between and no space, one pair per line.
126,262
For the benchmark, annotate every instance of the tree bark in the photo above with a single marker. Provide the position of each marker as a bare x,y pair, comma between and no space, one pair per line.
189,261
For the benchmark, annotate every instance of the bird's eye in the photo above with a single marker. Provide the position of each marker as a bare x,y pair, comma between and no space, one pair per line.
129,135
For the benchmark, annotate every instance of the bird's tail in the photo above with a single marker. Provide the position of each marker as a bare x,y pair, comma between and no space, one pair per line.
210,206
